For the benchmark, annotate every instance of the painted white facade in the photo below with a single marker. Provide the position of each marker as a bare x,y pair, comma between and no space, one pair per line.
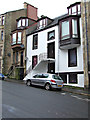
61,56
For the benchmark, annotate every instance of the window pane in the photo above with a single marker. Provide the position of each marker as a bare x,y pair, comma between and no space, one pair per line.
65,30
79,9
26,22
51,35
70,11
35,42
34,61
19,23
23,22
3,20
13,57
73,78
72,57
14,38
16,56
74,28
74,10
19,37
1,35
0,20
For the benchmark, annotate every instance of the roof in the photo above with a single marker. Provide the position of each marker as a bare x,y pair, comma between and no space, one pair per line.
54,22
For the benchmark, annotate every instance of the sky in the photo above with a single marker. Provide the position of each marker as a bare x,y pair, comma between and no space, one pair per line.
49,8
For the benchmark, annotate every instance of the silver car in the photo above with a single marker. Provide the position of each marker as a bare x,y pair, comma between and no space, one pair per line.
46,80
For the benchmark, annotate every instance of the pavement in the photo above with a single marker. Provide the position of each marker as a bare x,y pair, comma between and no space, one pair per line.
75,90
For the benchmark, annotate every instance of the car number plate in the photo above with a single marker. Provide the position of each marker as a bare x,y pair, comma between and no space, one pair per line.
59,85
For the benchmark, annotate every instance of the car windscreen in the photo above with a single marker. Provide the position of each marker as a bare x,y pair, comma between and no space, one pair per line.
56,77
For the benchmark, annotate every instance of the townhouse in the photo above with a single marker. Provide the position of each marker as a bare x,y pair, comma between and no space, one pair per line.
13,39
56,46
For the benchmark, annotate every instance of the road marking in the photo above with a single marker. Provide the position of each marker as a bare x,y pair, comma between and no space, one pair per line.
63,93
85,99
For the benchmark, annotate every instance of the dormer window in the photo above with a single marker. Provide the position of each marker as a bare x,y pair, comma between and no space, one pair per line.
42,23
19,23
74,9
22,22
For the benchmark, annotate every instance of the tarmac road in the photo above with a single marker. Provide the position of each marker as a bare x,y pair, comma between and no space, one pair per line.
21,101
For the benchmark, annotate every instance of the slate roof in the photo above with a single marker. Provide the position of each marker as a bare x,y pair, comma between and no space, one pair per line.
54,22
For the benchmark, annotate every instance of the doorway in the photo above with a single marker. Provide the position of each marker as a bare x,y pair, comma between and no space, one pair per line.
51,54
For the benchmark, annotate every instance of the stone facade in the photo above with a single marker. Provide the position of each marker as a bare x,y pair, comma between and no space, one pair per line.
85,9
10,24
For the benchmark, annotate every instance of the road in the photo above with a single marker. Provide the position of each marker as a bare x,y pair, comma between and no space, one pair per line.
21,101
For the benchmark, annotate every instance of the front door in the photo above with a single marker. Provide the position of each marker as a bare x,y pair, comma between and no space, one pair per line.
22,58
51,54
51,50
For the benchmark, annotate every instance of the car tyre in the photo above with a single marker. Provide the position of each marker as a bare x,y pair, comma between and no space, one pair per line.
28,83
47,86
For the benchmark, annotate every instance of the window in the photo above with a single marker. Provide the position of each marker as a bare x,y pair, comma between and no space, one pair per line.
65,30
51,35
74,10
74,28
2,20
26,22
0,51
19,23
34,61
2,35
79,9
72,57
14,39
19,37
42,23
13,57
17,57
35,42
0,66
64,77
23,22
73,78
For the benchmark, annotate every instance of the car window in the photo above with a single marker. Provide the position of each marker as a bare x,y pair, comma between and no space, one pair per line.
56,77
45,75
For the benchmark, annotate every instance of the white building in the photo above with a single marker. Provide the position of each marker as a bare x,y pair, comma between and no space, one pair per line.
56,46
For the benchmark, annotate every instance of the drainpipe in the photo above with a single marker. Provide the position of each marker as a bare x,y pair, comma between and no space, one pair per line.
87,42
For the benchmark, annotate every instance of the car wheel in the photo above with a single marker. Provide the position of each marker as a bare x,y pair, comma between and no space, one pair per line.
28,83
47,86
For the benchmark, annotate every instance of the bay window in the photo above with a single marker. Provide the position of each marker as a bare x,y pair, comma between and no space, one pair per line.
74,28
19,37
14,39
65,30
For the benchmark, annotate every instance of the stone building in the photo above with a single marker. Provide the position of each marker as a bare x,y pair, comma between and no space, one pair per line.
1,41
86,40
8,25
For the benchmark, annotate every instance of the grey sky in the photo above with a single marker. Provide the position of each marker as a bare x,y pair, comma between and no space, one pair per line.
50,8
